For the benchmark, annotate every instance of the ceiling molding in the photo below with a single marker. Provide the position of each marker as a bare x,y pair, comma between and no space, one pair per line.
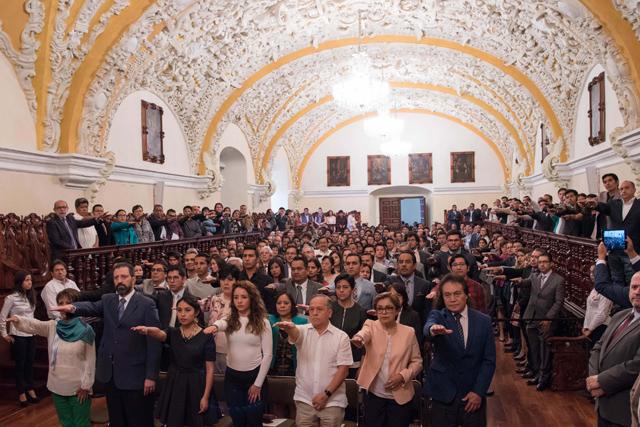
297,178
401,39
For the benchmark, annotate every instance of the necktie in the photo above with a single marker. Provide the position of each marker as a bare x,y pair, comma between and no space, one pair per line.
409,289
121,308
299,294
623,326
457,316
172,322
543,280
73,238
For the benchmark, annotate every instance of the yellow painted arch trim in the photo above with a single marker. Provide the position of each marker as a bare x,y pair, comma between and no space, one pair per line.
300,172
85,74
510,70
405,85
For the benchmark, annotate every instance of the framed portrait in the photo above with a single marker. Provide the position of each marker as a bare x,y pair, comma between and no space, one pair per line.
463,167
420,168
338,171
597,110
152,133
378,170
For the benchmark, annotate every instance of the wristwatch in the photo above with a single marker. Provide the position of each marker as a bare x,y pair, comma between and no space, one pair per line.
327,392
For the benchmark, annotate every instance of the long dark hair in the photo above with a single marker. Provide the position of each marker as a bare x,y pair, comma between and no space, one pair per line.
401,289
18,279
257,311
319,277
292,300
276,260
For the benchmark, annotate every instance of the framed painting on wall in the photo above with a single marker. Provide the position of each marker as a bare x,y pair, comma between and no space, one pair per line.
378,170
152,133
420,168
338,171
463,168
597,112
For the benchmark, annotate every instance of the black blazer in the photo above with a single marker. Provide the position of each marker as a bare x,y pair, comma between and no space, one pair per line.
378,276
631,224
59,238
105,237
409,317
421,288
156,226
125,356
164,301
544,221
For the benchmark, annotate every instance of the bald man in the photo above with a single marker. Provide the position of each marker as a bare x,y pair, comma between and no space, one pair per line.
624,214
62,229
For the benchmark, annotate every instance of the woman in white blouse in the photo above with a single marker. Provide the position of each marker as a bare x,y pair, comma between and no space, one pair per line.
72,360
22,302
249,354
597,314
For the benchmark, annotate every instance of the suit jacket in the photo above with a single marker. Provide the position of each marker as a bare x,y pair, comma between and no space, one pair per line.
476,216
618,292
421,288
164,301
378,276
631,223
125,357
404,357
546,302
59,238
157,225
617,364
544,221
457,370
312,288
443,258
635,397
105,237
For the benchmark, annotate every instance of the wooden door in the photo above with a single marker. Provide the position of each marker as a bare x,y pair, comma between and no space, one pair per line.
390,212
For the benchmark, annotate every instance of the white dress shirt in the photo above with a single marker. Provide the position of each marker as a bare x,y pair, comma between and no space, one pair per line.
626,207
50,292
87,236
377,386
598,310
316,369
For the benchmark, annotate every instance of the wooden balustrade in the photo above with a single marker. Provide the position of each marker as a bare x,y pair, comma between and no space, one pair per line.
89,266
572,258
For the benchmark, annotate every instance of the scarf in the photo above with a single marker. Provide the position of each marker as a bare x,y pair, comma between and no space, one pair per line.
74,330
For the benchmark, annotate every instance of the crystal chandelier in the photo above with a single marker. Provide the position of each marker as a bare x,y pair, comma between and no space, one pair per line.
383,125
360,91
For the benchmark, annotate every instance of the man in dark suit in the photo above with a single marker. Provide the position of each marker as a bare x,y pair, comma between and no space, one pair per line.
454,245
614,364
252,273
103,228
376,276
618,292
299,284
475,214
545,302
159,224
544,219
127,362
454,217
623,214
419,291
464,358
62,229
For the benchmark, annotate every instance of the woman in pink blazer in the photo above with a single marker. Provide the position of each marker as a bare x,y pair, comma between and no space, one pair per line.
391,362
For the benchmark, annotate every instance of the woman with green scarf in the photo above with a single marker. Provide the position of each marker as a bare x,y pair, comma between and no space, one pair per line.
72,361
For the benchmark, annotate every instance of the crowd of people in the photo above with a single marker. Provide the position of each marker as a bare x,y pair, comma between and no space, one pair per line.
384,307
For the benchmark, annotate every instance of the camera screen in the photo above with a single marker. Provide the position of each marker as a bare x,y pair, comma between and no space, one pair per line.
614,239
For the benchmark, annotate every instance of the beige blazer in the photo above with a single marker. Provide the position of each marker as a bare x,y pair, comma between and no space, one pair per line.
405,357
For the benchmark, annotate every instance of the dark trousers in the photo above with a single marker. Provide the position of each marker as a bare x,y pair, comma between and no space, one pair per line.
454,415
539,351
129,408
236,388
23,352
380,412
605,423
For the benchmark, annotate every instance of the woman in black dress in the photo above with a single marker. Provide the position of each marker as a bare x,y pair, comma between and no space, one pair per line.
187,397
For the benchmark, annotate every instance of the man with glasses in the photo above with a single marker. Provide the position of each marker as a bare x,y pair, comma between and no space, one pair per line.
150,287
62,229
454,247
464,358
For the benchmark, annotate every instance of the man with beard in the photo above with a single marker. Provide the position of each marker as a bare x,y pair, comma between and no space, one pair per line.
128,362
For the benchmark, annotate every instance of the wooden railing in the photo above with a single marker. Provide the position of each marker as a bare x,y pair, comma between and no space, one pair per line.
572,258
89,266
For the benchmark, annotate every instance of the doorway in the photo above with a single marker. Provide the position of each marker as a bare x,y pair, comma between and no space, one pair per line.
396,210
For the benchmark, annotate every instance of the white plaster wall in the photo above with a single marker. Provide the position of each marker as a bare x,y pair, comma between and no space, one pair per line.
125,138
428,134
18,128
280,175
234,190
234,137
580,144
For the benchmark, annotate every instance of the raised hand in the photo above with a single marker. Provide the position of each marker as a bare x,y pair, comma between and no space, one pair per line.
142,330
212,330
602,251
440,330
357,341
67,308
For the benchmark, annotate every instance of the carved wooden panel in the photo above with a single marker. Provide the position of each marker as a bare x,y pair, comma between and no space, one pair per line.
390,212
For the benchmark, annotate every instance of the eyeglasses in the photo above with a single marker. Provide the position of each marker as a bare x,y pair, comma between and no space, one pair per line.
385,309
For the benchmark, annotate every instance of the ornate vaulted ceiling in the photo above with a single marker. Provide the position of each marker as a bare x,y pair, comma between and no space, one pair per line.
499,67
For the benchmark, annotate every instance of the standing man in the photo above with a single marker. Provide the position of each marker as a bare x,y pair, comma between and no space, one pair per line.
454,247
127,362
251,273
58,282
299,285
62,229
289,254
545,302
87,236
305,217
320,395
615,363
420,292
159,224
365,290
464,358
200,285
102,226
459,267
454,217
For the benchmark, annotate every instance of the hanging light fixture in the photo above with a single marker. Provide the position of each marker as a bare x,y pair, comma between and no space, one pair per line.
361,90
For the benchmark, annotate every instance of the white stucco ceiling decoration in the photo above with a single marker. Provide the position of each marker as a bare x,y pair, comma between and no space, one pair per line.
300,137
200,58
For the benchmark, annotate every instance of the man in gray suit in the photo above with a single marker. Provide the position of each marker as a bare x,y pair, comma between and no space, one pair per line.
299,284
615,363
547,296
